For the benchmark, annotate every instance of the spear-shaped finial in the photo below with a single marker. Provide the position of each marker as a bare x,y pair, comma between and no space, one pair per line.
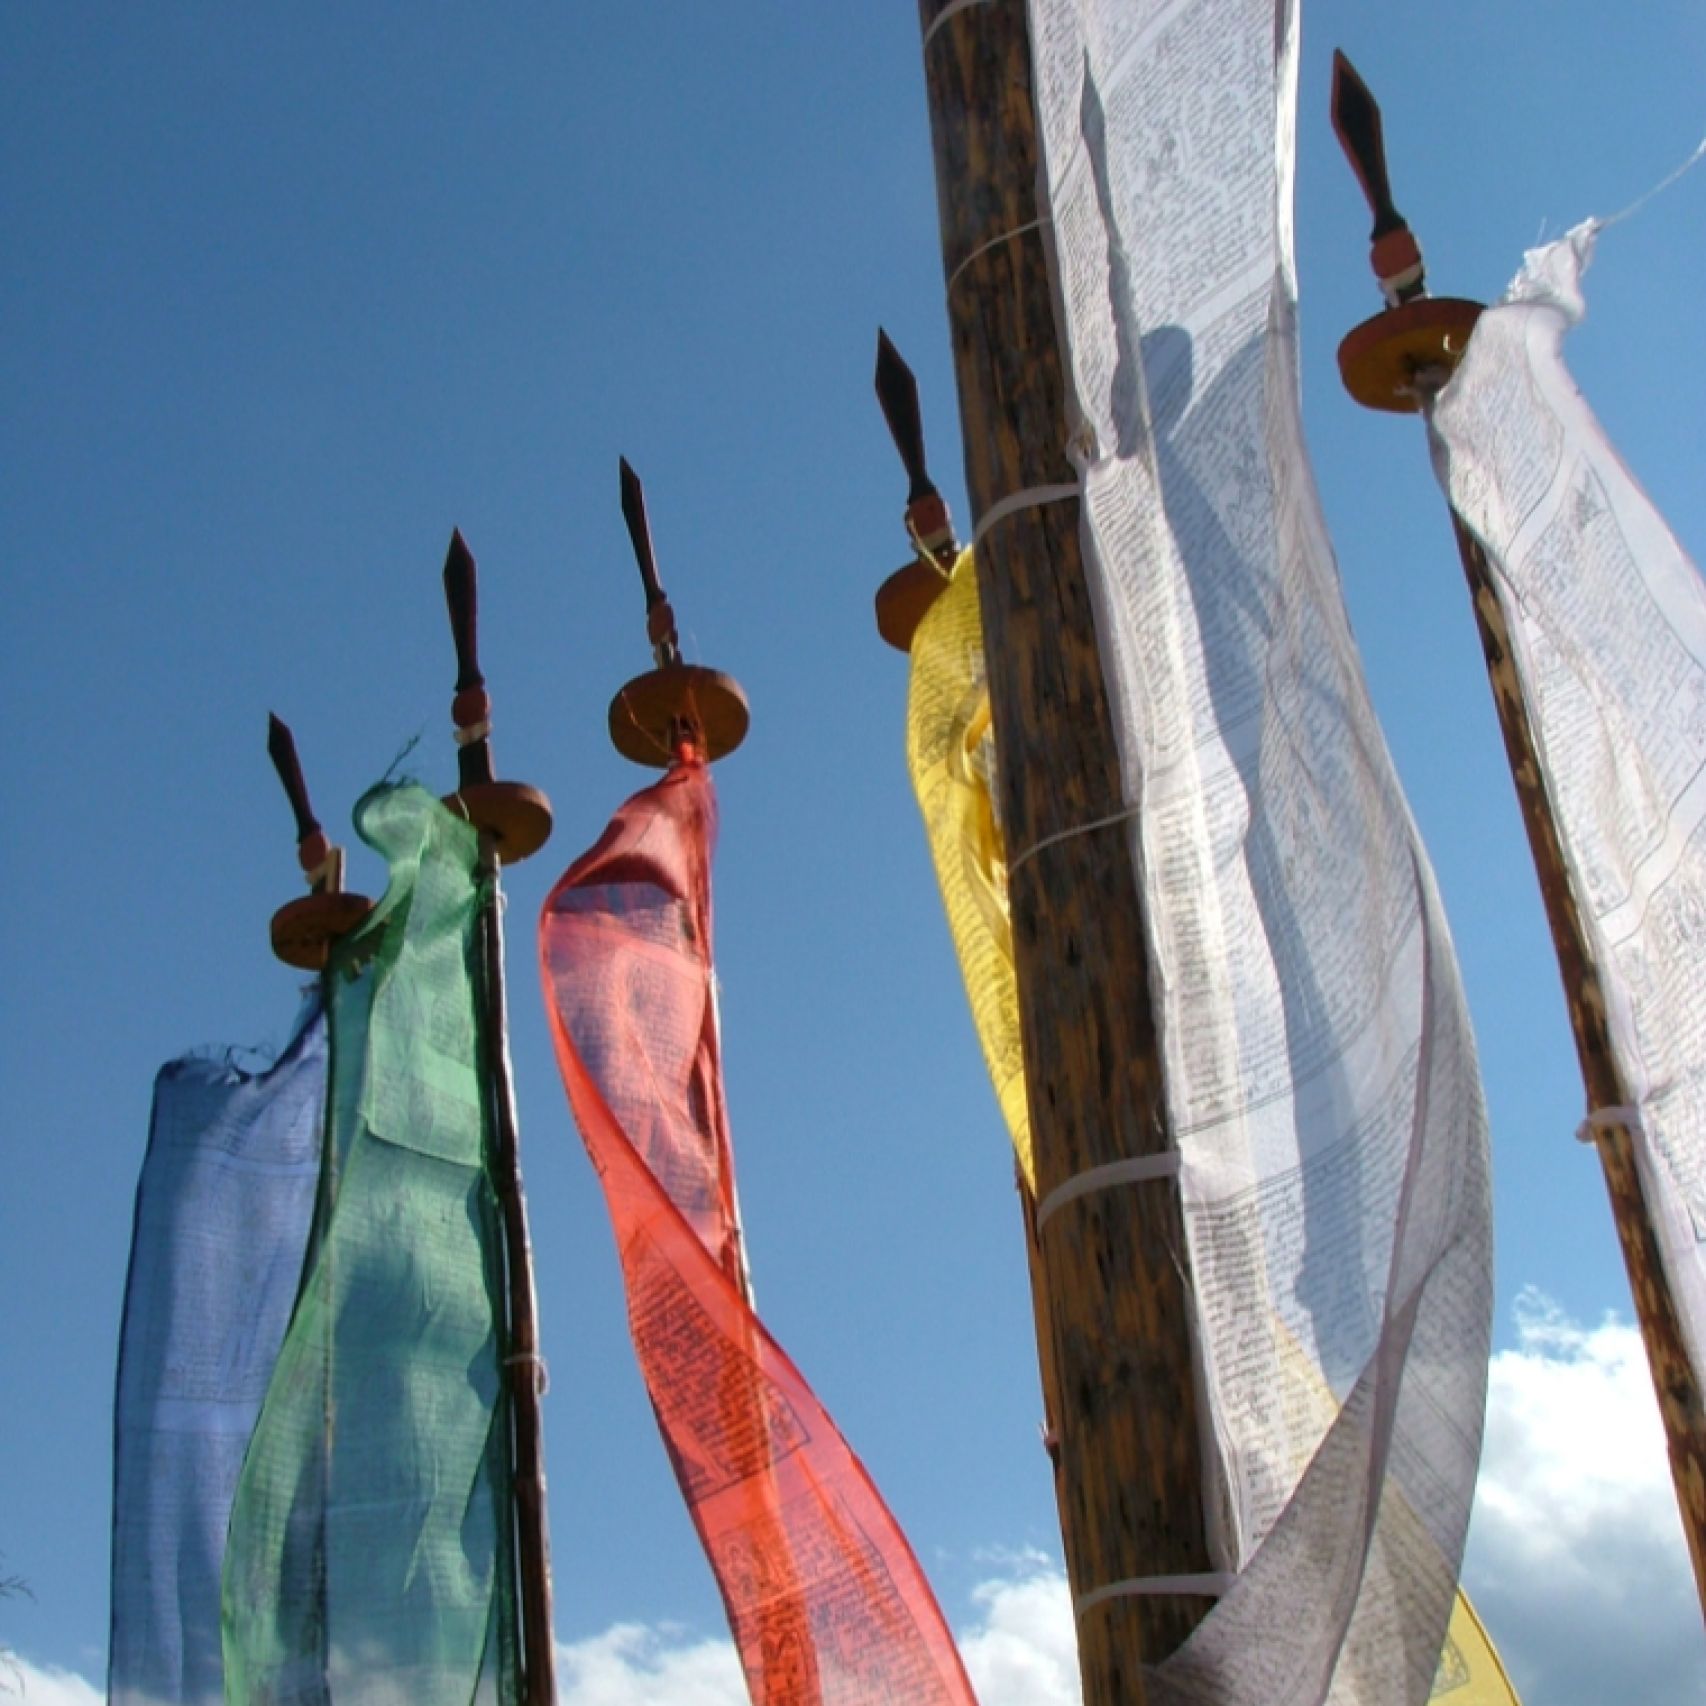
1395,255
303,929
677,711
515,815
660,618
1394,360
910,591
281,749
897,392
471,709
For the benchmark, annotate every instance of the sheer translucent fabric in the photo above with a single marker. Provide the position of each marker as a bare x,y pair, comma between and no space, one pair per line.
824,1597
1607,619
1316,1053
370,1557
951,757
223,1208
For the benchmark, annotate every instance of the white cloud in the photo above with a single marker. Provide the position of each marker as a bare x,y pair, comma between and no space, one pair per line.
1576,1558
1018,1651
1022,1651
38,1685
632,1663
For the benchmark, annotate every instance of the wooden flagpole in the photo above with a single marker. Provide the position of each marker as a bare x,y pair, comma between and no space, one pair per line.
1389,363
1130,1473
514,820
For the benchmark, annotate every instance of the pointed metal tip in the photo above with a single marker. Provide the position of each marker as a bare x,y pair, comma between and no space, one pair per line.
639,530
281,749
897,394
892,370
1357,124
461,597
1352,103
633,491
458,559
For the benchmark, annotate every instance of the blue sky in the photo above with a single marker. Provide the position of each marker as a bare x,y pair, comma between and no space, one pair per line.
288,296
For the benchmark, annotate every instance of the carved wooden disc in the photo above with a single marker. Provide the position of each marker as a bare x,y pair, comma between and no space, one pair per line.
515,815
646,714
904,597
304,928
1379,359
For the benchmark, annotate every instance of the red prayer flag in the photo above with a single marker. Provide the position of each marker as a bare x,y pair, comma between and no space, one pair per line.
825,1599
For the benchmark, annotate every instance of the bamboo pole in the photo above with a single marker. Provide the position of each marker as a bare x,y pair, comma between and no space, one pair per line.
1130,1469
1392,362
513,821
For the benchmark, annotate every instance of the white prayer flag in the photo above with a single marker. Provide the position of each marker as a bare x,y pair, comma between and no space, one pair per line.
1317,1058
1607,618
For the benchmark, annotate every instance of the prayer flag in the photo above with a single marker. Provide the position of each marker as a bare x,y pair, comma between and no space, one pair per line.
223,1208
370,1558
1607,622
824,1597
1316,1054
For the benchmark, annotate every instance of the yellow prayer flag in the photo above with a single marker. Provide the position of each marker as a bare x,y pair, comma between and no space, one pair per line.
950,752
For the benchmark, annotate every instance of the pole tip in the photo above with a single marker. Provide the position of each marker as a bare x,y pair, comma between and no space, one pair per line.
1394,254
281,749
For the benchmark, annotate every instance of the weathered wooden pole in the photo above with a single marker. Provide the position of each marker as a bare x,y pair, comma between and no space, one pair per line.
1130,1468
514,821
1393,362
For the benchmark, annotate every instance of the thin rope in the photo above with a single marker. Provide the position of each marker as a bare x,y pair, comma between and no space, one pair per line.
1609,1119
1133,1170
1211,1584
993,243
944,15
1060,835
1031,497
1659,188
541,1372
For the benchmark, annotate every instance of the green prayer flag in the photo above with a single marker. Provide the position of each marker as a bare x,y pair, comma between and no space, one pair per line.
370,1556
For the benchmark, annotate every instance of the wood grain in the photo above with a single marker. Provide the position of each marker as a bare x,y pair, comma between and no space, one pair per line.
1111,1264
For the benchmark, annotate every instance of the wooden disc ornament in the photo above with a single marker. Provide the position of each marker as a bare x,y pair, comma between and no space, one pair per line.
903,599
657,711
1390,361
304,929
516,815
